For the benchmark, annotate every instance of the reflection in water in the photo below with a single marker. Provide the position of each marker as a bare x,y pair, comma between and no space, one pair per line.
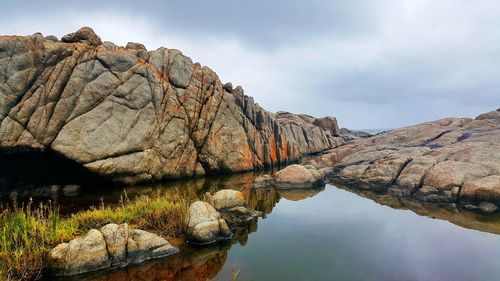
193,263
448,212
314,233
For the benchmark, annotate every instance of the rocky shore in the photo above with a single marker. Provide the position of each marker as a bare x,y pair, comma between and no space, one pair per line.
452,160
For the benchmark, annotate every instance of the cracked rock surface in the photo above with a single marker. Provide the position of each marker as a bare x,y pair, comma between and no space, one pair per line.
134,115
448,160
111,246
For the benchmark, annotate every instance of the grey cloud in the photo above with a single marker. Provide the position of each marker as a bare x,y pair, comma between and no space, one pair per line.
372,63
259,23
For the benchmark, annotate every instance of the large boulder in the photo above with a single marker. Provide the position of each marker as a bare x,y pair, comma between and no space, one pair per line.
130,115
204,224
112,245
299,176
329,124
228,198
84,34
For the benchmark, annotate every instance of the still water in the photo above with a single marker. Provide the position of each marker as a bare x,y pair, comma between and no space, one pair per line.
332,234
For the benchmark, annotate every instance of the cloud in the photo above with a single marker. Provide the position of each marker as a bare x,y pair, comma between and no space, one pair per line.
370,63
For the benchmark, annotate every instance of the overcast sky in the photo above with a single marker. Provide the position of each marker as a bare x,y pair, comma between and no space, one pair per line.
370,63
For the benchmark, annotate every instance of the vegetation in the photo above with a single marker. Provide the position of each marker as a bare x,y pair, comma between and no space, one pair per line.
28,232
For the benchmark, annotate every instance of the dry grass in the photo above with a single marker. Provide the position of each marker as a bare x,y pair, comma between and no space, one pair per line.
28,232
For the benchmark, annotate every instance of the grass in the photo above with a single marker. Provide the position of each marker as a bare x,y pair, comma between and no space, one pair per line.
28,232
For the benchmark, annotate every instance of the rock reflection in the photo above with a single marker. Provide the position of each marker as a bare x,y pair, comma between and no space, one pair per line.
448,212
204,263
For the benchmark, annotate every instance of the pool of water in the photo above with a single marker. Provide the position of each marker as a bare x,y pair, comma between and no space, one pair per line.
335,234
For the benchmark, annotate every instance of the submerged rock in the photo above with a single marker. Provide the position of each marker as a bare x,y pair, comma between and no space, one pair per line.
113,245
488,207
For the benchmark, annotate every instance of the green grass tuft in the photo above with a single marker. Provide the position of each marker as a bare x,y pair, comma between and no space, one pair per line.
27,233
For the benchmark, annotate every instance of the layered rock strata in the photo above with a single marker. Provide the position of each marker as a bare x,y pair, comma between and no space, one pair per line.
135,115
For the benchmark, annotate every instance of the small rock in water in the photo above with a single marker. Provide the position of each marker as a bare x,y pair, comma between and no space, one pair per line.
203,224
228,198
470,207
488,207
299,176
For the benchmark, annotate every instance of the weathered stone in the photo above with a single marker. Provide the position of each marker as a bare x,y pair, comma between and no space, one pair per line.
298,175
80,255
143,245
228,87
116,237
413,174
228,198
487,207
203,224
482,189
135,46
328,124
181,70
386,170
447,174
113,245
84,34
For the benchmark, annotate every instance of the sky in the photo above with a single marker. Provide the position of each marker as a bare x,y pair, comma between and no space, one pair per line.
370,63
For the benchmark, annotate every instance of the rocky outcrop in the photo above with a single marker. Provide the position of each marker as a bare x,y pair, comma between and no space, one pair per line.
448,160
305,133
135,115
113,245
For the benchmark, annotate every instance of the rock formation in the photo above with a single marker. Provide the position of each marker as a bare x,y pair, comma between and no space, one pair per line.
111,246
209,222
135,115
448,160
204,224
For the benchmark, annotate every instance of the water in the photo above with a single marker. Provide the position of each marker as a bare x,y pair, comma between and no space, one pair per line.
335,234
